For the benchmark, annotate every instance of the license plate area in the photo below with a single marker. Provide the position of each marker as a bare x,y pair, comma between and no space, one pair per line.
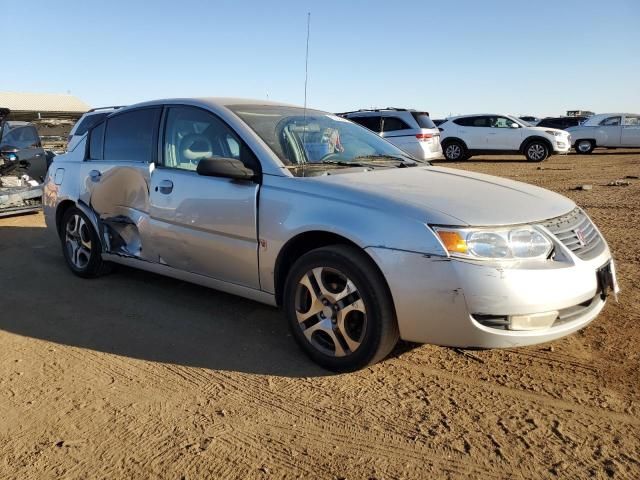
607,282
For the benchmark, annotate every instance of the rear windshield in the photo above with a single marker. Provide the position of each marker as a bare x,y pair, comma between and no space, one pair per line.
423,119
89,121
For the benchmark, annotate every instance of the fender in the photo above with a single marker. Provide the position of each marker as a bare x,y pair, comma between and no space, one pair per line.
456,139
528,140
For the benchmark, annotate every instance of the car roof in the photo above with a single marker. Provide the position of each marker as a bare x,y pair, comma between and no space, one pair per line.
210,102
482,115
378,110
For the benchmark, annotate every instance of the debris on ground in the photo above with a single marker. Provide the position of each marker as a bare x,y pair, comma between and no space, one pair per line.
618,183
586,187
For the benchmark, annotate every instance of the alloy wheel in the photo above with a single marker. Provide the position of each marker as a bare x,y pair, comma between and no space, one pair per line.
537,152
453,152
330,311
78,241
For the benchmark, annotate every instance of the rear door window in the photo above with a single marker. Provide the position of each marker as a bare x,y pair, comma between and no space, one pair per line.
372,122
131,136
392,124
472,122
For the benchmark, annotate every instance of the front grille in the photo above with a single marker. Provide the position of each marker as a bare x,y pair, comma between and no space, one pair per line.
577,233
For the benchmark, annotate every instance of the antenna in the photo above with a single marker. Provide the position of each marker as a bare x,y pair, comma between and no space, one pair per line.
306,61
306,78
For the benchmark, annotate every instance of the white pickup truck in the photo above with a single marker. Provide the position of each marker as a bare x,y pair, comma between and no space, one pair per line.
610,130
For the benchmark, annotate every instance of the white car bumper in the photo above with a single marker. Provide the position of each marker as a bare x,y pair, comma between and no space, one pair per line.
445,301
562,144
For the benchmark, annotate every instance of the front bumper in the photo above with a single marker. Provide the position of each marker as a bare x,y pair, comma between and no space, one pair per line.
442,300
562,144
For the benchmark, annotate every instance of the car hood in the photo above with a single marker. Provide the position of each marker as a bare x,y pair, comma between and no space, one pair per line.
542,129
454,197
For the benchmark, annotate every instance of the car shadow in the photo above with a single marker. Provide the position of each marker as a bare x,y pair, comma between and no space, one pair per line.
139,315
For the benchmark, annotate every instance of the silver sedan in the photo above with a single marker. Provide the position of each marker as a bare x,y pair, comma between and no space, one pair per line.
359,243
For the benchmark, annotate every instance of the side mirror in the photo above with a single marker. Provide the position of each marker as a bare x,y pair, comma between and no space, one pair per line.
514,125
225,168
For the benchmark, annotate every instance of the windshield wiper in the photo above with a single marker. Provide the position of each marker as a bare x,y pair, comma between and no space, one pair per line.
342,163
389,158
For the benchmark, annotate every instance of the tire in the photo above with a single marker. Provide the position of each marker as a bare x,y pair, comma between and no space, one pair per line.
81,245
320,287
455,151
536,151
584,147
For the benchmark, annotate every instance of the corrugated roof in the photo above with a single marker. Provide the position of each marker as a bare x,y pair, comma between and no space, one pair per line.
42,102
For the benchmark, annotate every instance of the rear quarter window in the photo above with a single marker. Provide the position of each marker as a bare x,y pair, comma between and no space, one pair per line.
89,121
391,124
372,122
423,119
96,142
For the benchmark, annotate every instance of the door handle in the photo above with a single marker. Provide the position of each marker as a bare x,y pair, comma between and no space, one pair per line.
165,186
95,175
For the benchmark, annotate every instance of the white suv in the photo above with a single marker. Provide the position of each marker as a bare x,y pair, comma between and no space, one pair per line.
409,130
468,135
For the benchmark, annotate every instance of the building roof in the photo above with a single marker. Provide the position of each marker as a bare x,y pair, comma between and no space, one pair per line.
42,102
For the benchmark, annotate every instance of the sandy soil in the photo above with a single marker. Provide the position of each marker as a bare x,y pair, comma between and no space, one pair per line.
138,376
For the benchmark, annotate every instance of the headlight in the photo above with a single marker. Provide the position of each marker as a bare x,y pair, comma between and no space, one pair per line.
522,242
553,132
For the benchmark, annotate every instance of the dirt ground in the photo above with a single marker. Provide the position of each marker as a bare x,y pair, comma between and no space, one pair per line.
138,376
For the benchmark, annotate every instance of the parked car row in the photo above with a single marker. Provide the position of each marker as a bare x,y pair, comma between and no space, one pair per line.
356,241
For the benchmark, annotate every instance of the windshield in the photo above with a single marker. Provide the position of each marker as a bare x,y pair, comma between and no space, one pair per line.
318,140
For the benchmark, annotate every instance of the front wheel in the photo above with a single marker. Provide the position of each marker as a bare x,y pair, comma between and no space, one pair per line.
584,147
339,308
536,151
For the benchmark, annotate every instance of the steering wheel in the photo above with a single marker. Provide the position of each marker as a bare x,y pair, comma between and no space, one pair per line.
194,147
332,156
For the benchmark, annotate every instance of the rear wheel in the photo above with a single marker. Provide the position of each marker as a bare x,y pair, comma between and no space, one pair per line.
339,308
81,245
536,151
455,151
584,147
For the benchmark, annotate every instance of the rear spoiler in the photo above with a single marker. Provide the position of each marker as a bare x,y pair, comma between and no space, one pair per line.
115,107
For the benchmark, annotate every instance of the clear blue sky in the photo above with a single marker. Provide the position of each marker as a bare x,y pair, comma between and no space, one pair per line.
521,57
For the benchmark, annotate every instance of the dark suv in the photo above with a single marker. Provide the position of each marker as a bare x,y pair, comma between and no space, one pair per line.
20,141
561,123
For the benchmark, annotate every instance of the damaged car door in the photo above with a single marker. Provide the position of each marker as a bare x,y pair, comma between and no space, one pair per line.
116,174
203,224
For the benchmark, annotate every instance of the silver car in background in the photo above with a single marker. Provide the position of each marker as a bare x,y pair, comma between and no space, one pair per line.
358,243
